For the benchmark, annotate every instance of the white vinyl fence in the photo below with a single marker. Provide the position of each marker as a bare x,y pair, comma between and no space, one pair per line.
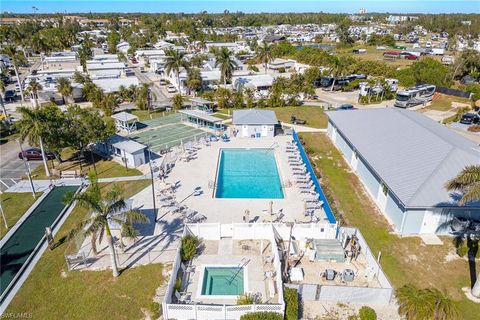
215,231
354,294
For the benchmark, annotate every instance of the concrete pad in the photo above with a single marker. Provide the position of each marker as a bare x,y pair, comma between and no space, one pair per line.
431,240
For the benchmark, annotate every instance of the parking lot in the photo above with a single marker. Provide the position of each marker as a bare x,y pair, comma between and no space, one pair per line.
12,168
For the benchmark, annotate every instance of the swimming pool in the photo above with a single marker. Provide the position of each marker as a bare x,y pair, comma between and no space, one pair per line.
248,174
223,281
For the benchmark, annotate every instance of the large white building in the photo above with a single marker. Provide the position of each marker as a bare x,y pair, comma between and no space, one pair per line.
404,160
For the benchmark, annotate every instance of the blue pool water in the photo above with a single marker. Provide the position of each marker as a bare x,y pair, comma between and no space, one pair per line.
248,174
222,281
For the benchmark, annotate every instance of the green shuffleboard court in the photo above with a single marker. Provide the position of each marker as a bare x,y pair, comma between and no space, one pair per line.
168,136
17,249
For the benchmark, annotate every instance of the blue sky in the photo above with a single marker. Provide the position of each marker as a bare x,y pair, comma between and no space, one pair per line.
347,6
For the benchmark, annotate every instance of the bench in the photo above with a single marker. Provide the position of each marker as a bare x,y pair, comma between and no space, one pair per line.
68,174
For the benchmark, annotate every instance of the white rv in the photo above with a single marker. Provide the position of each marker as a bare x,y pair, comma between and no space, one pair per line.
414,96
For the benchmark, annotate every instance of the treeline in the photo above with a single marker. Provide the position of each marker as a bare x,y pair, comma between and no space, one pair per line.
181,21
426,70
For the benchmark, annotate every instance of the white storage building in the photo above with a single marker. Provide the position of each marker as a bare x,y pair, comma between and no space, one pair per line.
123,150
404,160
255,123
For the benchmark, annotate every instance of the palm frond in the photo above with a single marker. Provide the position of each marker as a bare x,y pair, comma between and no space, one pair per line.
129,231
136,216
472,194
79,227
116,206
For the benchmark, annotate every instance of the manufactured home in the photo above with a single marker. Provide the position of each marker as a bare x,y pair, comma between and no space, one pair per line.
404,161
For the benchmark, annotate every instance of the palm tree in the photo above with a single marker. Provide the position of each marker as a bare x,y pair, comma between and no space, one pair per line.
34,88
226,62
175,60
106,208
194,80
337,67
16,58
177,101
109,103
31,127
141,96
467,182
64,88
2,92
423,304
249,96
265,54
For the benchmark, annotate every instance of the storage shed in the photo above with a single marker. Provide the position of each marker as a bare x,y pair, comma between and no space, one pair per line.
254,123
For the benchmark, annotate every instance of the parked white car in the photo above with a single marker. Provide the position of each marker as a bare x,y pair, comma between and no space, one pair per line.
171,89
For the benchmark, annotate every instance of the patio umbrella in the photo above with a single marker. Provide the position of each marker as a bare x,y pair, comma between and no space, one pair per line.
247,215
163,186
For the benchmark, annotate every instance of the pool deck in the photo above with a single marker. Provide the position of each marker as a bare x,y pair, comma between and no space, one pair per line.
201,172
228,252
158,240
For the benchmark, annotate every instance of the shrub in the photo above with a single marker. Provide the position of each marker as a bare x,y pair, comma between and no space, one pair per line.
189,247
462,250
155,309
474,128
291,302
178,284
456,117
246,298
261,316
281,70
367,313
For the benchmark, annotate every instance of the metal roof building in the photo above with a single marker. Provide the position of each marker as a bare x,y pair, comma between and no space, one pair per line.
404,160
254,123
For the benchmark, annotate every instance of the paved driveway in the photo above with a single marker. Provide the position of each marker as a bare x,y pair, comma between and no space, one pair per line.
12,168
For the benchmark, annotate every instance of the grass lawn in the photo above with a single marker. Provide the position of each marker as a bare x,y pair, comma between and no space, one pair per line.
14,205
52,292
405,260
221,115
444,102
105,168
147,115
315,116
5,137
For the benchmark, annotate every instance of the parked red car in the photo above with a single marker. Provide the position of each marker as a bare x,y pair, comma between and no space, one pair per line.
411,57
35,154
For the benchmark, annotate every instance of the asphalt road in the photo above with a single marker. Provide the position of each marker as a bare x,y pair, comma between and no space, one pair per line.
12,168
155,86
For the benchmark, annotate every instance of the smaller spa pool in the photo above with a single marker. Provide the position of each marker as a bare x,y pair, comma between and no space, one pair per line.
223,281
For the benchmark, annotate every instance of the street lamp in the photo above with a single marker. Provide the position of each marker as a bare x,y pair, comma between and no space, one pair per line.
151,175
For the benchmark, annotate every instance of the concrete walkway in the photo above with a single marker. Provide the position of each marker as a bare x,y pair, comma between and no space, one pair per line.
42,185
302,128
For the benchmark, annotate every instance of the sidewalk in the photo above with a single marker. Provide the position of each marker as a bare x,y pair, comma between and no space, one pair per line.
42,185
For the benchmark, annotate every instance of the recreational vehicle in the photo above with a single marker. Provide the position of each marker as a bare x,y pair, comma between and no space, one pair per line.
414,96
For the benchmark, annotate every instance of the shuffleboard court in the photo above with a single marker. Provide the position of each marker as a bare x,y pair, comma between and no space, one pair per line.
161,121
17,249
168,136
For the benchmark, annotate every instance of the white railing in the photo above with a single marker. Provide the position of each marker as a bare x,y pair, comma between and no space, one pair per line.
241,231
208,312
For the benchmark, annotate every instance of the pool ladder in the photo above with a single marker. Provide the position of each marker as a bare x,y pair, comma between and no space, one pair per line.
274,145
242,264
